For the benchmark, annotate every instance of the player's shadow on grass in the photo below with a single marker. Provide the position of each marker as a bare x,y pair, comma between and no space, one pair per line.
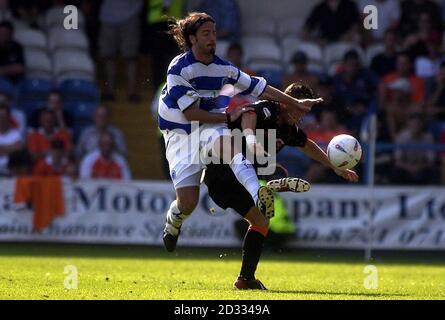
364,294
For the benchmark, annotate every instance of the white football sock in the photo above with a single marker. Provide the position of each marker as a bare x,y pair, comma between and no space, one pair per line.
246,175
175,216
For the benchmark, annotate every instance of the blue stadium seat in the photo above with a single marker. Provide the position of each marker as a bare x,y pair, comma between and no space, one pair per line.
7,87
79,90
32,93
81,110
436,129
78,127
273,77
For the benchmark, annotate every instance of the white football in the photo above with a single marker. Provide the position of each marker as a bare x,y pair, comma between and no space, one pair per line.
344,151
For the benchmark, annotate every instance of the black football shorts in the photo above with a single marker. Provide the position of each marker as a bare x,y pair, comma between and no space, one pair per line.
225,189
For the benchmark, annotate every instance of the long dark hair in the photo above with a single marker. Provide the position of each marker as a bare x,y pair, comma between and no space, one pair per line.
300,91
182,29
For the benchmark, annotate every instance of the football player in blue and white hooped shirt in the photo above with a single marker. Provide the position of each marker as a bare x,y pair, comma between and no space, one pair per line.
193,79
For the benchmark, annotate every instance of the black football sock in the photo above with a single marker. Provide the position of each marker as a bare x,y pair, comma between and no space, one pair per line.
252,248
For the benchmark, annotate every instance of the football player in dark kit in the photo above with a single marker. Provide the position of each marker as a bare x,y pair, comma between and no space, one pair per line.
227,192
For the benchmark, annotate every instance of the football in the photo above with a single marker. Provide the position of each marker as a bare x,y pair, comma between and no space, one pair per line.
344,151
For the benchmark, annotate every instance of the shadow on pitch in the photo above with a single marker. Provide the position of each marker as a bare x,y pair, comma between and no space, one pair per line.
360,294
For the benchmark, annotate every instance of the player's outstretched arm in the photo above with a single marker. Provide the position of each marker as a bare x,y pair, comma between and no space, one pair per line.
194,113
313,151
274,94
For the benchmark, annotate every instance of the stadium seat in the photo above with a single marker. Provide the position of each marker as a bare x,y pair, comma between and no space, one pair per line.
32,94
437,129
55,17
7,87
335,52
19,25
264,56
373,51
314,54
289,46
79,90
290,27
31,39
251,27
72,65
38,64
82,111
261,48
271,70
274,77
221,48
78,126
60,38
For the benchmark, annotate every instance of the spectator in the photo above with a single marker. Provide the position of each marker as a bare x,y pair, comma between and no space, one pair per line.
72,169
158,42
389,15
354,83
19,164
403,70
300,72
120,24
442,158
89,138
356,86
40,139
10,139
331,102
331,20
416,44
64,118
90,10
29,13
160,137
412,166
227,17
412,9
104,162
18,118
11,54
396,110
235,56
329,128
55,163
435,94
428,65
5,12
385,62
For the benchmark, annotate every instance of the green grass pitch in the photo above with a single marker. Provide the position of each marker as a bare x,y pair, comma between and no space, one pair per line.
36,271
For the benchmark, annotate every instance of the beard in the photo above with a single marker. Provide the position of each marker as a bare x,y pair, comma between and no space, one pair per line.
211,50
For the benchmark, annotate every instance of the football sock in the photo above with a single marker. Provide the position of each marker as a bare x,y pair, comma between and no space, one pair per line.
175,216
252,248
246,175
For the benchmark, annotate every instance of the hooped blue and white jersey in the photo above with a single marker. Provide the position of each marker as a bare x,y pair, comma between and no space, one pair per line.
189,80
